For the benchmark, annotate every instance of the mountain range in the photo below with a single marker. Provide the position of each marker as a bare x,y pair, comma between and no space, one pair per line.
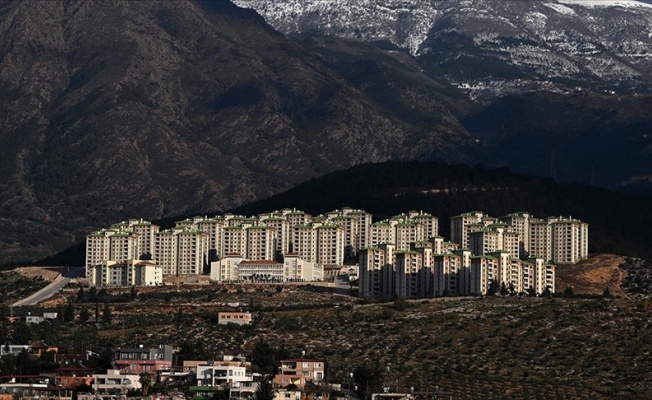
490,48
110,110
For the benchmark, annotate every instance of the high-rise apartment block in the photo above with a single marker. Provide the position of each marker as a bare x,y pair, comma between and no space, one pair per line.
400,256
385,274
560,240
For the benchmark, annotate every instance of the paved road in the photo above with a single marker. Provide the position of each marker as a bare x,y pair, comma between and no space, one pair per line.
51,289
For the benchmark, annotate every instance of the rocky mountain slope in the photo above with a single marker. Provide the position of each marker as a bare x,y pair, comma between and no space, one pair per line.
493,47
115,109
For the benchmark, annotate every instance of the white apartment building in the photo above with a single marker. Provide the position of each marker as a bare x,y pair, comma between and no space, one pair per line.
181,251
282,232
382,232
130,273
97,248
407,268
558,239
110,244
260,243
540,239
296,217
460,226
349,227
385,273
376,272
330,244
304,242
221,374
235,240
214,228
226,269
452,273
519,222
192,252
493,238
569,240
146,232
407,232
297,269
521,276
166,250
429,222
113,382
356,225
124,246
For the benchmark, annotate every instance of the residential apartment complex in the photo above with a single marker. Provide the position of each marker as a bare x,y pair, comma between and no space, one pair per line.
281,245
399,256
511,253
560,240
386,274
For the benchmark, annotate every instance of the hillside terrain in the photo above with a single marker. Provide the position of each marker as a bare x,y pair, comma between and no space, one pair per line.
580,347
115,109
492,47
157,109
588,63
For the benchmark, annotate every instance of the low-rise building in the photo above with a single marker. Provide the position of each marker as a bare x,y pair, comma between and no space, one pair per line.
298,371
238,318
218,374
115,382
235,268
110,273
144,359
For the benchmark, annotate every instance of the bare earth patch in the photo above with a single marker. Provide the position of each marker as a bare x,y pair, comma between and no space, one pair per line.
47,273
593,275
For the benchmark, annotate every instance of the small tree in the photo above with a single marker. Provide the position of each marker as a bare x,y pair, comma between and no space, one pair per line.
265,390
569,292
606,292
133,294
68,313
81,296
504,291
92,294
145,382
84,315
493,288
106,314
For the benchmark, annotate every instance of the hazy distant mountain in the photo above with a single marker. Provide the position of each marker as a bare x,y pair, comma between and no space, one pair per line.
494,47
153,108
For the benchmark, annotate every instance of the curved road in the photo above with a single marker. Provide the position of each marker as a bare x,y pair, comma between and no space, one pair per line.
51,289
